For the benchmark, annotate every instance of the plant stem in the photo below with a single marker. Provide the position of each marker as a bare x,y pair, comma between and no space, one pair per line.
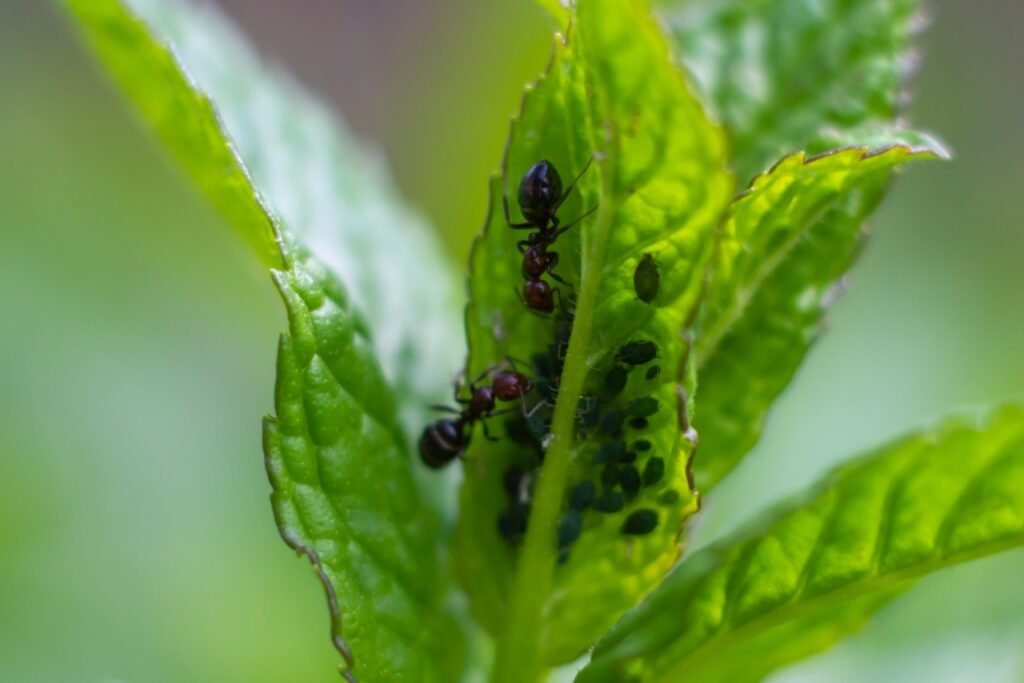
518,658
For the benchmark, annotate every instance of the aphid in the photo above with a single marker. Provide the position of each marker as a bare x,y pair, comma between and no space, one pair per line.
628,457
611,501
646,279
640,522
582,495
540,196
610,452
653,372
615,381
670,497
512,522
643,407
638,423
447,439
611,423
637,353
642,445
654,470
610,475
629,479
570,526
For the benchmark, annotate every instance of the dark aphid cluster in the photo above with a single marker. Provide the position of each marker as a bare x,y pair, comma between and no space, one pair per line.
447,439
624,464
540,197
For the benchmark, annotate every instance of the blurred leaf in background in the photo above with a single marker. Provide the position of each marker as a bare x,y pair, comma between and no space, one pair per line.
137,337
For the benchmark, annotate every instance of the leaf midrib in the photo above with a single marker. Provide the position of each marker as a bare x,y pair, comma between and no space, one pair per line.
797,608
519,650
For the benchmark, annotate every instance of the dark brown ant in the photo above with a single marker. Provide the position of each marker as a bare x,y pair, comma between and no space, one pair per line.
446,439
540,197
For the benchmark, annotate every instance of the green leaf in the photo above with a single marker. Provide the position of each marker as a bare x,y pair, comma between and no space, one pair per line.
325,192
817,568
788,239
344,493
660,187
182,117
788,75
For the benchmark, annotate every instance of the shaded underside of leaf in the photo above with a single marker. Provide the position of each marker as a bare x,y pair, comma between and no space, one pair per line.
327,193
357,518
789,239
812,571
181,116
343,488
660,186
788,75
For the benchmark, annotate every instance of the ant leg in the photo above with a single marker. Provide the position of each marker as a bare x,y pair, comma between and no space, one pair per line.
568,189
534,409
561,303
446,409
572,223
523,246
550,268
514,363
508,218
487,432
482,375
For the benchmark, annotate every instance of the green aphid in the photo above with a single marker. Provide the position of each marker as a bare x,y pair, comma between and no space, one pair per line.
611,501
637,353
611,423
670,497
629,479
646,279
654,470
610,475
610,452
570,526
643,407
582,495
615,381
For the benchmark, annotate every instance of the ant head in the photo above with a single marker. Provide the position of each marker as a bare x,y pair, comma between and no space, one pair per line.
539,191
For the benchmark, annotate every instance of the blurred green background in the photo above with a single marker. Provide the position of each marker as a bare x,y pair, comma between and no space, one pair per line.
137,339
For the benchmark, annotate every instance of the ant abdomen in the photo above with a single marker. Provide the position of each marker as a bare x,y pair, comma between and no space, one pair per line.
442,442
540,193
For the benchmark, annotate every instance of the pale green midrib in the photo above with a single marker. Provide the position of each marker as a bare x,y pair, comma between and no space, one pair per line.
518,656
797,608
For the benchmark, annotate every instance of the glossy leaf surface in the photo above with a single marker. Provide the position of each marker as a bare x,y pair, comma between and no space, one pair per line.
785,246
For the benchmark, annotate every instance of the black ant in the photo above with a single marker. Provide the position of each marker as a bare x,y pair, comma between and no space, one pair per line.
447,439
540,197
